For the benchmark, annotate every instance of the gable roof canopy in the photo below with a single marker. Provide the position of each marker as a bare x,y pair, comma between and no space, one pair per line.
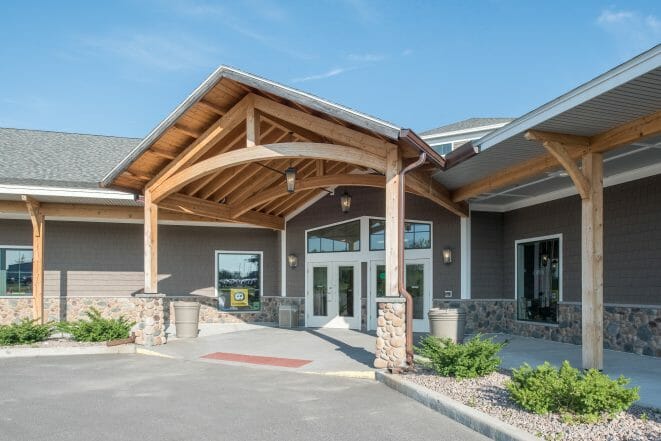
619,109
223,151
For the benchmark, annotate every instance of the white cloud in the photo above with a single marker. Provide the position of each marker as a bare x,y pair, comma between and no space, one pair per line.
331,73
158,51
607,16
366,58
632,30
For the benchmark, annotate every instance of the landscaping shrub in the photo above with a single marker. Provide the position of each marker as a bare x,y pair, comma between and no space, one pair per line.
25,332
585,397
97,328
475,358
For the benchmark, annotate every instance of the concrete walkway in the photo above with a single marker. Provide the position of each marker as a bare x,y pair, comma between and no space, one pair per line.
333,351
328,350
644,371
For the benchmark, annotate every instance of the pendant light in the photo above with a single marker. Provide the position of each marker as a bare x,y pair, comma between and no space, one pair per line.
345,202
290,177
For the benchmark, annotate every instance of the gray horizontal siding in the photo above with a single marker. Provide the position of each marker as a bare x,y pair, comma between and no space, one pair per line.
85,259
371,202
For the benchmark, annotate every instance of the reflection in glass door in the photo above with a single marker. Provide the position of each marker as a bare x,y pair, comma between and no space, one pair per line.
333,295
320,291
417,278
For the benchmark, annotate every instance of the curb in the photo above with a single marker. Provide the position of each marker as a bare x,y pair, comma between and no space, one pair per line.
143,351
363,375
9,352
472,418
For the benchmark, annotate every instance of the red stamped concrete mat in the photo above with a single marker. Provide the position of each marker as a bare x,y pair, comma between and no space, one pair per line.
257,359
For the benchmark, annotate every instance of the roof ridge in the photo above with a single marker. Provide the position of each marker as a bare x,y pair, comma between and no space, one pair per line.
68,133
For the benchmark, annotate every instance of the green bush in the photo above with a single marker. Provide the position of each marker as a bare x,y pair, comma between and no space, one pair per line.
97,328
25,332
584,396
475,358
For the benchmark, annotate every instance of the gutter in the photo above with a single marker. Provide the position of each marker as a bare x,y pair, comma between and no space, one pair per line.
91,193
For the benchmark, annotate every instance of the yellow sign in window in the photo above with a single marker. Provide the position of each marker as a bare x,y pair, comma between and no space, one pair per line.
239,297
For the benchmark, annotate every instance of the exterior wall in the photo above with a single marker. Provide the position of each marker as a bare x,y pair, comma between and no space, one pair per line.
94,264
87,259
632,232
371,202
629,328
486,255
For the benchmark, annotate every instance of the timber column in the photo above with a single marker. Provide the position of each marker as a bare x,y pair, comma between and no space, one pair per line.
391,330
150,329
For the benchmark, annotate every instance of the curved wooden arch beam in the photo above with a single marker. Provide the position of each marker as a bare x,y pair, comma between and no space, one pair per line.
343,180
287,150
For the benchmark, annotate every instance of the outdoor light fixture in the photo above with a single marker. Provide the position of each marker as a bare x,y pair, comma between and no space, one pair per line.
345,202
545,260
290,176
447,256
292,261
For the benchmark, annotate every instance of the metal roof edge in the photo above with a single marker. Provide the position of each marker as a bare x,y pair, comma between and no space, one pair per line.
612,78
319,104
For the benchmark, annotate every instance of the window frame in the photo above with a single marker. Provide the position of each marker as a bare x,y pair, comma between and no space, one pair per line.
321,227
261,280
518,242
406,221
19,247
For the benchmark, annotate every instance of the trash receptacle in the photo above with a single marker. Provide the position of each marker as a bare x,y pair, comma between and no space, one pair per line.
288,316
186,319
447,323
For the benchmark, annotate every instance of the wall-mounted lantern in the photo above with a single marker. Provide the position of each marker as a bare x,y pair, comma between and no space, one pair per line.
447,256
292,261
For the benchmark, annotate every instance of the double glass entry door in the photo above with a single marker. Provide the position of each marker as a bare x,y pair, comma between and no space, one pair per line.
333,295
417,278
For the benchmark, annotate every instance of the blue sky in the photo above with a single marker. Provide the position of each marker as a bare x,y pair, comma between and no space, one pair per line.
119,67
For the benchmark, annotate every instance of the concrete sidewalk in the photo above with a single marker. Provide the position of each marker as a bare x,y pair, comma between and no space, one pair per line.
329,350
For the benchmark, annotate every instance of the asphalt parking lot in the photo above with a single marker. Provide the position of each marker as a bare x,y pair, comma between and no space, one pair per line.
136,397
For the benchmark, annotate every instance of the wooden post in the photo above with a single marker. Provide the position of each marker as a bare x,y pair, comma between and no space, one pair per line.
38,232
253,121
393,166
151,245
592,263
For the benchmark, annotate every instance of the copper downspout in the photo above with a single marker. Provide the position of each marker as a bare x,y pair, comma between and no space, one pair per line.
401,285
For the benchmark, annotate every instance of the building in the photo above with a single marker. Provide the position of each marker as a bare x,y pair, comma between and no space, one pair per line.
251,195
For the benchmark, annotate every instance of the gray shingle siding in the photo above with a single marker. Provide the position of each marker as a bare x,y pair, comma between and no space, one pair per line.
33,157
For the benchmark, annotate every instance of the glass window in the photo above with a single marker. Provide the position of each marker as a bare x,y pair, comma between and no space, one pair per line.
239,281
538,280
15,271
416,235
336,239
443,149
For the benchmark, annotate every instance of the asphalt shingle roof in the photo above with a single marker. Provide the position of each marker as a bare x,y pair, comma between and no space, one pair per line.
469,123
34,157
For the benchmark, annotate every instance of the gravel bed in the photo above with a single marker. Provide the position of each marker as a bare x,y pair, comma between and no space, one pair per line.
489,395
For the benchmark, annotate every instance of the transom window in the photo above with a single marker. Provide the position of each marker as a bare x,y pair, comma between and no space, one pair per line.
239,284
538,269
339,238
417,235
15,271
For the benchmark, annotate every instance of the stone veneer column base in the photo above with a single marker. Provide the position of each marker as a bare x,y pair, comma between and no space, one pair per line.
390,333
150,329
